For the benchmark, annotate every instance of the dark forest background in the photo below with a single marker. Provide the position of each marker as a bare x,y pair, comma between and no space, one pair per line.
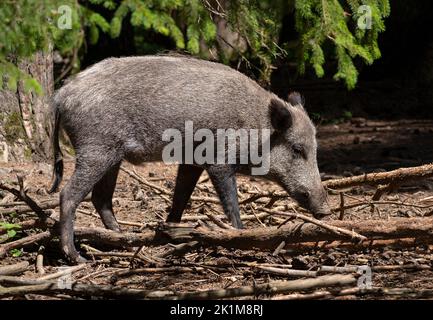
399,84
310,46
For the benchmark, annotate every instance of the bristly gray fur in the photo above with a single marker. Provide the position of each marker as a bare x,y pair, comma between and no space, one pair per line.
119,108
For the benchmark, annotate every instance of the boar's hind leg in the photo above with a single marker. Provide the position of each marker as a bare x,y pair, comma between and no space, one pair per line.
88,171
102,196
223,178
187,177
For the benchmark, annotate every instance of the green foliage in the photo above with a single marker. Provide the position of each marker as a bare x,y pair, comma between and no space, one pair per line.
16,253
347,115
95,23
320,22
259,23
186,22
191,24
327,32
11,231
27,27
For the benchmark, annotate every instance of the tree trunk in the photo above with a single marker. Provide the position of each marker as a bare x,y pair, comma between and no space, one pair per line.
24,116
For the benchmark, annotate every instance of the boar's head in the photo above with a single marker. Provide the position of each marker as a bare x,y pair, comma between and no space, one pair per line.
293,156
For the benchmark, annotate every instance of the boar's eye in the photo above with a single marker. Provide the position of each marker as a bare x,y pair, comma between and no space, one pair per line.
299,151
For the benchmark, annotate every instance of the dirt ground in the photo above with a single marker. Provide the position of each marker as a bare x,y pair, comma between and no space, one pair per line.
351,148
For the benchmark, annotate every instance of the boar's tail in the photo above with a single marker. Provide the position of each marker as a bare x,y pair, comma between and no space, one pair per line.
58,157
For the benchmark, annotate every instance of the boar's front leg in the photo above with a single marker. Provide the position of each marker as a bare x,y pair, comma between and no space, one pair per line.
223,178
187,177
102,196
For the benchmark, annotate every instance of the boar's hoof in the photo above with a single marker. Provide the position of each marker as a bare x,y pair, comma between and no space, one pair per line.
78,259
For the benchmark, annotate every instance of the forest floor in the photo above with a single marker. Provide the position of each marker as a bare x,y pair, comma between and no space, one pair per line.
351,148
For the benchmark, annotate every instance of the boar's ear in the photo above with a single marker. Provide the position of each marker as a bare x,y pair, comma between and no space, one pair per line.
295,99
281,118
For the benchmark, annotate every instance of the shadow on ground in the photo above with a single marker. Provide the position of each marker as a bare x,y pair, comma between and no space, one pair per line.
365,146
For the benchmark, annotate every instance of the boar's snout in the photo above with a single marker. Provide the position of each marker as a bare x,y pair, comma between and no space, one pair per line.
318,204
315,201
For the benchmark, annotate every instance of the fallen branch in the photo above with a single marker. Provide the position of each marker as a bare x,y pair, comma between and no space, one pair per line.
353,247
407,267
373,203
382,189
11,204
288,272
34,223
36,286
28,286
24,242
352,269
22,290
180,249
140,179
269,194
163,190
65,271
337,230
112,254
261,215
341,208
177,270
119,221
279,248
218,222
391,177
14,269
376,291
22,195
270,288
40,261
45,205
265,238
323,294
405,292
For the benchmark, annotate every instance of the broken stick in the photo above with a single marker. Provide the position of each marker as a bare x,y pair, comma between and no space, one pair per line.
391,177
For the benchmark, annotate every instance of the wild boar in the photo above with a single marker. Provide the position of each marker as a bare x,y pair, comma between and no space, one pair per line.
119,109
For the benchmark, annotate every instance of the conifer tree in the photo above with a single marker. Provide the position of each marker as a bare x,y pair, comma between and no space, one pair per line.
241,32
328,29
